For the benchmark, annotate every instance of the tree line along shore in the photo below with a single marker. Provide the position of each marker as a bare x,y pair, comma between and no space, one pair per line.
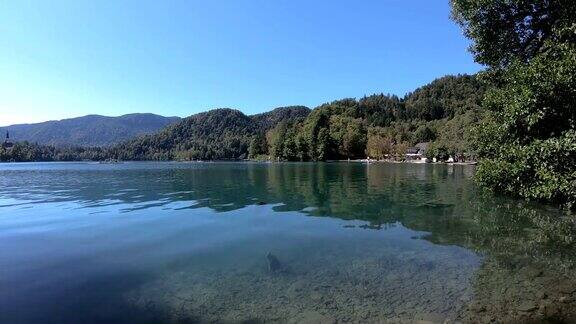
441,114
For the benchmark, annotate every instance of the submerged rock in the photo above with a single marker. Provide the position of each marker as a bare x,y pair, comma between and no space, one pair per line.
311,316
273,263
527,306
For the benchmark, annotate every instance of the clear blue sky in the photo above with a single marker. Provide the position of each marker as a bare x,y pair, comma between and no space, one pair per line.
61,59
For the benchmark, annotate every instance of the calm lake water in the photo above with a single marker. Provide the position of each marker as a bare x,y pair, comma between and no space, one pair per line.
188,242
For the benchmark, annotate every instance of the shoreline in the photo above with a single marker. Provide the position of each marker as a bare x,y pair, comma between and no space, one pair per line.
247,160
407,162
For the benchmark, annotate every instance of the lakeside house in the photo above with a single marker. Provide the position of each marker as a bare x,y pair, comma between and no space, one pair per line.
417,152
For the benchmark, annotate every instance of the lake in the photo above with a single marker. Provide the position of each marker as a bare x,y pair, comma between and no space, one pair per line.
349,242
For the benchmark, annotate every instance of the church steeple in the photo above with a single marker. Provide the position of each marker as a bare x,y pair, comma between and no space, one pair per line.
7,143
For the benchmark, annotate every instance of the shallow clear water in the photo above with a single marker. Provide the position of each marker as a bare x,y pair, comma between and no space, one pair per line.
187,242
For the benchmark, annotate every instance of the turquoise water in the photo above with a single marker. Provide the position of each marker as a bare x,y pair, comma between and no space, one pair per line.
187,242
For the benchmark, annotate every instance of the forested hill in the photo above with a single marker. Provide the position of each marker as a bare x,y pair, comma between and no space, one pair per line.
270,119
216,134
442,113
91,130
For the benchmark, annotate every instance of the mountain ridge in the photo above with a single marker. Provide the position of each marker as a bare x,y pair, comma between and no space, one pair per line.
220,133
89,130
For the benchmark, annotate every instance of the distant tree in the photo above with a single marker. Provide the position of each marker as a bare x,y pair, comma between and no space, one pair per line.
277,137
400,150
424,134
379,145
349,134
258,146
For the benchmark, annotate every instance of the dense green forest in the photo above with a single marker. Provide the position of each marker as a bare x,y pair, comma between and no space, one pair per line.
443,113
527,143
218,134
28,152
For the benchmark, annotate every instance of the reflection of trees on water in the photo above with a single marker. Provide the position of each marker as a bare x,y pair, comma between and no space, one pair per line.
438,199
441,200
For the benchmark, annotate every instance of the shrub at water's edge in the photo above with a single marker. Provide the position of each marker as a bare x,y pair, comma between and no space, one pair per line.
527,146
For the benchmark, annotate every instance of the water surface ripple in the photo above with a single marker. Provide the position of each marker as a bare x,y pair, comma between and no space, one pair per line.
188,242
